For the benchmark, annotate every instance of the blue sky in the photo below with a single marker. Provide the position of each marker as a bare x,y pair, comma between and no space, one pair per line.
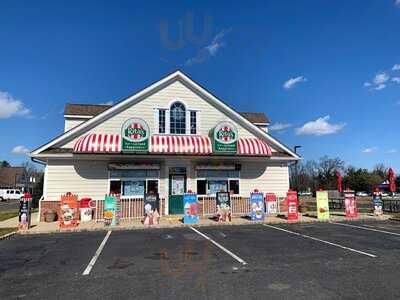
324,71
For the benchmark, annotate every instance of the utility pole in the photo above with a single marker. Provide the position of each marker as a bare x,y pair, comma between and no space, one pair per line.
296,169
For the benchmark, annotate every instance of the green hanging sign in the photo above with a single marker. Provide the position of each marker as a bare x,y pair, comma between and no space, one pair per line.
225,137
135,136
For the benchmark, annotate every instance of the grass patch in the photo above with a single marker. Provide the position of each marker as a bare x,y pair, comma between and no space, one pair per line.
6,230
7,214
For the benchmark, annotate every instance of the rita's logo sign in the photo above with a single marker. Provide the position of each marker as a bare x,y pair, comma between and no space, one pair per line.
225,138
135,135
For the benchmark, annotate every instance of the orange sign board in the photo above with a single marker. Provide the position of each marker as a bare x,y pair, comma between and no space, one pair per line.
69,211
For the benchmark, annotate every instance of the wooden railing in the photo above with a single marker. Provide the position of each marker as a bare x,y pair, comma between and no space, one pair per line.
131,208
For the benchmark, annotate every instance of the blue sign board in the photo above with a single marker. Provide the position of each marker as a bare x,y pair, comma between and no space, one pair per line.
257,209
190,208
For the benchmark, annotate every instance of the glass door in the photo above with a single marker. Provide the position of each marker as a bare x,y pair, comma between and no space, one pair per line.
177,187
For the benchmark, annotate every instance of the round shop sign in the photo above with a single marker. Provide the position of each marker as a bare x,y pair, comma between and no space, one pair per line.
135,135
225,137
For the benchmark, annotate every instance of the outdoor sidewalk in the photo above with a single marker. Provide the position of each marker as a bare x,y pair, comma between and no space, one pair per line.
13,222
167,222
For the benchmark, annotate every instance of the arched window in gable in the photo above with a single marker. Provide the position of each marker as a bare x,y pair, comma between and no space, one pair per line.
177,118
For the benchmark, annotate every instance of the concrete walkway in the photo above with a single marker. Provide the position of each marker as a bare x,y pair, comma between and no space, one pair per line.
168,222
13,222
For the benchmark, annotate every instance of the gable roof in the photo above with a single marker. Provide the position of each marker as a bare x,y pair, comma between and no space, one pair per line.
255,117
92,110
85,109
178,75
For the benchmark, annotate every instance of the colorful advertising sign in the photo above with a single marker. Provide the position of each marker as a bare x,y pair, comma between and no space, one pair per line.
257,206
223,206
24,213
225,137
322,205
135,136
190,209
293,204
378,204
271,204
69,211
111,210
151,207
350,204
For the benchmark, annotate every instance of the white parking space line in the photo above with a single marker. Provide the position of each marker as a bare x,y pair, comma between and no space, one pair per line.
96,255
220,247
322,241
367,228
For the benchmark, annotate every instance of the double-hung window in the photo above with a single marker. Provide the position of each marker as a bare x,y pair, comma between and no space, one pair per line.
161,121
193,122
177,119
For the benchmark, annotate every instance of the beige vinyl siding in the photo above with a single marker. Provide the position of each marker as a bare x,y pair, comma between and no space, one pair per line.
84,178
266,177
208,115
72,122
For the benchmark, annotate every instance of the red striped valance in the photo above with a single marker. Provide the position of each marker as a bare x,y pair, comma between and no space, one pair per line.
180,144
98,143
253,146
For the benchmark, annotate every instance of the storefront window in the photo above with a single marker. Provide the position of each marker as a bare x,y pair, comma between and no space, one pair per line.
177,118
133,188
210,182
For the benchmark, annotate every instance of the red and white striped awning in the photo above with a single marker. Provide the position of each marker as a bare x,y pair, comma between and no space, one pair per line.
98,143
200,145
253,146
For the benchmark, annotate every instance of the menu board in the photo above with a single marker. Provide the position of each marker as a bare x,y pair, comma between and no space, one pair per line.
151,207
223,207
111,210
24,214
190,209
322,205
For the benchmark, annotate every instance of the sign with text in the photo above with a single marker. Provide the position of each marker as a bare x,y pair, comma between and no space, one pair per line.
225,137
190,209
69,211
378,204
350,204
292,204
271,204
24,217
151,207
257,212
135,136
111,210
223,206
322,205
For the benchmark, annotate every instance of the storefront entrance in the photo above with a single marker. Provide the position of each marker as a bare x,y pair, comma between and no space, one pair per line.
177,187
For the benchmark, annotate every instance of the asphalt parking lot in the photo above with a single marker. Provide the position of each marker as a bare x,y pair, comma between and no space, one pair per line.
318,261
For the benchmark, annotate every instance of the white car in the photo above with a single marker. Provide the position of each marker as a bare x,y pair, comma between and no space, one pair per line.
362,194
10,194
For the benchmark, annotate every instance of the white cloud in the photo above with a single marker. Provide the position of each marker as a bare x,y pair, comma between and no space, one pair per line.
210,50
289,84
380,87
397,3
20,150
369,150
367,84
391,151
279,126
10,107
380,78
319,127
396,79
396,67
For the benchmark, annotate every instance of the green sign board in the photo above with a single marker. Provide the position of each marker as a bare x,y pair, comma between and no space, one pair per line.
225,138
135,136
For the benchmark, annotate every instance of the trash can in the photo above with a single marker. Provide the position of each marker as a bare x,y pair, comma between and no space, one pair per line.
86,210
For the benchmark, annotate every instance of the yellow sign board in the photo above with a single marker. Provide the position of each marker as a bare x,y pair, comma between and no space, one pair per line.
322,205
